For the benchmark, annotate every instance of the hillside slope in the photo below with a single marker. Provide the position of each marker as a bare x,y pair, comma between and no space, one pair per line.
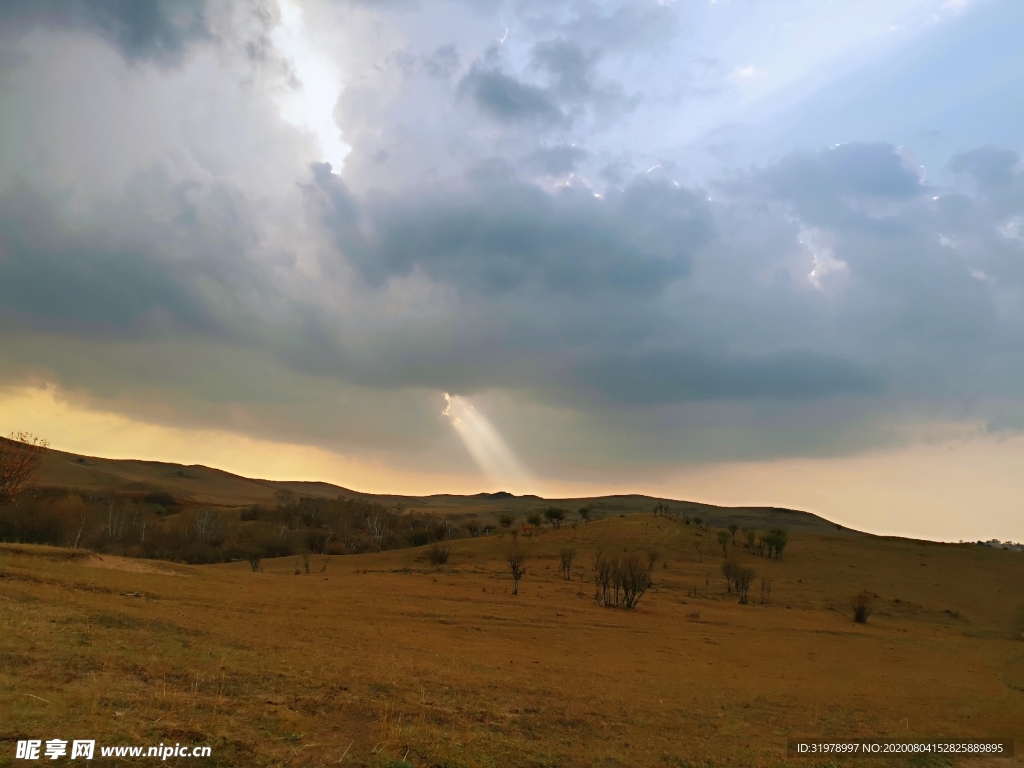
206,485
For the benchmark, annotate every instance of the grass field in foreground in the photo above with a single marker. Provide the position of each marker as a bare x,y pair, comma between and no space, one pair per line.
380,657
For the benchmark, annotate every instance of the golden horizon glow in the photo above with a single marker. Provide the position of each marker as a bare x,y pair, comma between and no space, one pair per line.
962,488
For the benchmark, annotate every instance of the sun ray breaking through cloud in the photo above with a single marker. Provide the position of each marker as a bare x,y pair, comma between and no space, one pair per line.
486,445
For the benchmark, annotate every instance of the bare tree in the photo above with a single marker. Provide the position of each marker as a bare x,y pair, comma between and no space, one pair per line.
20,455
621,582
567,554
207,524
766,591
729,568
732,530
743,578
376,524
516,566
723,539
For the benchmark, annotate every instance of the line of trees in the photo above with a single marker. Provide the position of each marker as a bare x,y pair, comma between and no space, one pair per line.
158,526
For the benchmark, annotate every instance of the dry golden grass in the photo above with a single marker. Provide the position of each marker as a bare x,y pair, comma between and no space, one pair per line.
382,656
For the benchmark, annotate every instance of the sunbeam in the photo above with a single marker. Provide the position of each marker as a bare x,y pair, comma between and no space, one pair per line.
487,447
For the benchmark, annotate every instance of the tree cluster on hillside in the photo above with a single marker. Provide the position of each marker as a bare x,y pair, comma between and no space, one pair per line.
738,578
621,581
156,525
771,544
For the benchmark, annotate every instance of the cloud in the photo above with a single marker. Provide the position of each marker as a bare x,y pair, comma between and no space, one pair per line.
987,165
621,28
674,376
555,161
158,30
490,232
443,62
858,170
507,99
172,247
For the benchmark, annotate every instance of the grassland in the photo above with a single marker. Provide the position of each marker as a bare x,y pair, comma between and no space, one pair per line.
381,656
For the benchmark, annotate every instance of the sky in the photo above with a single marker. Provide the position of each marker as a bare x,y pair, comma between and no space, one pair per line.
721,250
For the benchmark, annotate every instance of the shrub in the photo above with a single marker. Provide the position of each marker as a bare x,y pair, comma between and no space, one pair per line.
652,557
506,520
251,513
534,519
316,541
255,557
584,513
159,498
863,605
439,554
418,537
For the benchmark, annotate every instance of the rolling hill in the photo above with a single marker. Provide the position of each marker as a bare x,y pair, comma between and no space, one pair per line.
206,485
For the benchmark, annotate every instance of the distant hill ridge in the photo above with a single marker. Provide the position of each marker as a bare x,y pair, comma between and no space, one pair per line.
206,485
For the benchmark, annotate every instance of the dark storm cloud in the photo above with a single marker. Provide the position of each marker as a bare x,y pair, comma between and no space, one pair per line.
674,376
174,258
141,29
93,283
510,100
645,297
494,233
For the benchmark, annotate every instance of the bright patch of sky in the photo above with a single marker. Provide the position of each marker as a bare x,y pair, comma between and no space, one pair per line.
310,95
